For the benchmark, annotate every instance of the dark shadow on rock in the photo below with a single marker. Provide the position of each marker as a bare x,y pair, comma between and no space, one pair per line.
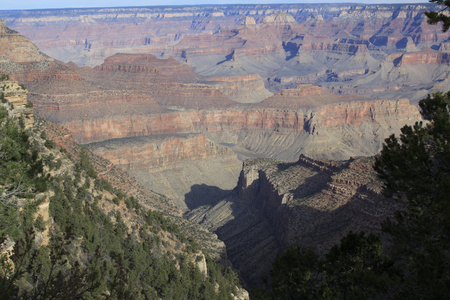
321,229
402,43
251,243
286,165
202,194
312,185
227,58
255,225
291,49
254,236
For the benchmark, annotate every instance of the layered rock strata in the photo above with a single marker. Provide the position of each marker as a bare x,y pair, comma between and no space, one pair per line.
178,166
285,44
243,89
342,130
311,202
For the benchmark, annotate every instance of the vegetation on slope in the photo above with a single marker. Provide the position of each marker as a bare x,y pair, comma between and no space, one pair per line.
67,234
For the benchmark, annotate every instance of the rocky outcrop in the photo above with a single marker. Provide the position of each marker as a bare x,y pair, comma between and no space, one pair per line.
17,48
16,96
426,57
158,151
332,192
313,131
242,88
281,18
310,202
285,44
303,95
343,48
145,63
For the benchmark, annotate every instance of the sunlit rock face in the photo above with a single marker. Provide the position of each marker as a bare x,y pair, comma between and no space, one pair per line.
345,48
160,112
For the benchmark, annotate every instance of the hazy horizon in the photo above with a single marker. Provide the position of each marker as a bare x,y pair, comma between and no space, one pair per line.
52,4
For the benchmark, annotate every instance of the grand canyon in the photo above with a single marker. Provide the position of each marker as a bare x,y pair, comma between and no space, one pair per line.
256,123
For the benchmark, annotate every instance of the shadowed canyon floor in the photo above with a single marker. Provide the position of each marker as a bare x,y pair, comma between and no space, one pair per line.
309,202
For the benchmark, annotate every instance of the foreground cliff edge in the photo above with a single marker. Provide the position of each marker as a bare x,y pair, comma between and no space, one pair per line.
65,231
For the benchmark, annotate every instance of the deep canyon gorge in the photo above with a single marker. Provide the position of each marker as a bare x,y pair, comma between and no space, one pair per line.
258,122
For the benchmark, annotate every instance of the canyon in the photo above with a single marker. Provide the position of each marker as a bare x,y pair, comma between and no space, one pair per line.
371,50
257,122
307,202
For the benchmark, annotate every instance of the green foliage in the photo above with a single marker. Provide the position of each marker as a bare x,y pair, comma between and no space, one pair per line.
355,269
3,114
4,77
92,254
435,17
21,173
416,171
295,274
132,203
116,201
84,164
39,224
102,184
49,144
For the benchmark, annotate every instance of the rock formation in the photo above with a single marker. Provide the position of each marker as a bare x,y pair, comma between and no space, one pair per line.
344,48
309,202
149,113
242,88
17,48
181,123
16,96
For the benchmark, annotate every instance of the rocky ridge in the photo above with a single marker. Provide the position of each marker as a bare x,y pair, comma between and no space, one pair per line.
308,202
139,97
14,97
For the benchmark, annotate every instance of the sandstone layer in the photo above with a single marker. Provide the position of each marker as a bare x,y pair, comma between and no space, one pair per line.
179,166
346,48
16,96
158,116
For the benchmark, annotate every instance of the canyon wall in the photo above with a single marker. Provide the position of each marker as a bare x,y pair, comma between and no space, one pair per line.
336,130
16,96
184,134
158,151
345,48
309,202
180,134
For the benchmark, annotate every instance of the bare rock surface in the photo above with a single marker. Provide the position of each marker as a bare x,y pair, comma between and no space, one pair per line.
346,48
310,202
150,113
181,167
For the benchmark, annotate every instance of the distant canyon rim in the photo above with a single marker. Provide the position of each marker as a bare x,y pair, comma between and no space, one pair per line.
179,97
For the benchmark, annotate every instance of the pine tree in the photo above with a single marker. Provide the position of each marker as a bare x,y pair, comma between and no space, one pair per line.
442,15
416,171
